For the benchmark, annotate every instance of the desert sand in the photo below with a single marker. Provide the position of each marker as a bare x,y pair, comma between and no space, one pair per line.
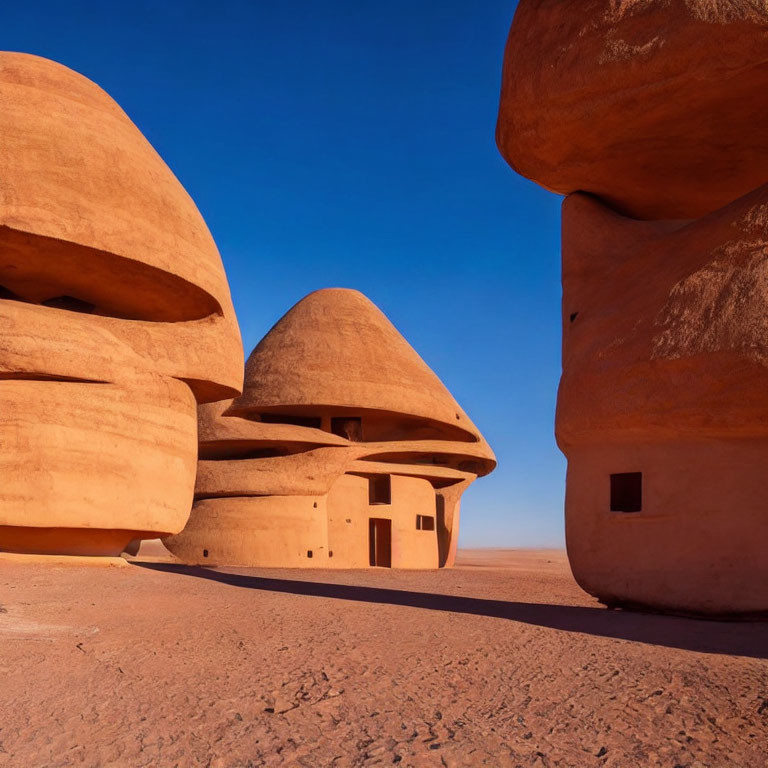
501,661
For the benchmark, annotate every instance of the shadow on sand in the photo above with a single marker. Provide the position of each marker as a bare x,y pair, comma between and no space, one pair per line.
743,638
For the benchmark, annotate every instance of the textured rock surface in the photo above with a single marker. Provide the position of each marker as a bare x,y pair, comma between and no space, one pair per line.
667,374
334,398
657,106
115,317
657,110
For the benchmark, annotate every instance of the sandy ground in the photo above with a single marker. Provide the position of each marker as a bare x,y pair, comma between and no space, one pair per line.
501,662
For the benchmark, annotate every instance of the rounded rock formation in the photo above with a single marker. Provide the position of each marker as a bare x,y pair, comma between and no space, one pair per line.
651,115
115,318
656,107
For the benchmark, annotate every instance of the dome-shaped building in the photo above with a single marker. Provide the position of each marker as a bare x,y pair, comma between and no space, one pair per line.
115,321
344,450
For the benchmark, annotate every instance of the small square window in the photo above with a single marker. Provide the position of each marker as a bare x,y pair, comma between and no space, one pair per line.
627,492
425,523
379,489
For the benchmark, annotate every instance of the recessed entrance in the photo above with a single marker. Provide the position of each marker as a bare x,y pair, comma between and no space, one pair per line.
380,542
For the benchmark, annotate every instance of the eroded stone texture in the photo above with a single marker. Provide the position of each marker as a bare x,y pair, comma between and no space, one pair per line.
115,318
665,373
656,106
340,424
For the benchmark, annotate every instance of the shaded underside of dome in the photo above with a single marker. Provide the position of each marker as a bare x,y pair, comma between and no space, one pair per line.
89,211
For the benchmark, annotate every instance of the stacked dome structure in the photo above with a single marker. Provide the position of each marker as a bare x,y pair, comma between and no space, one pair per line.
115,322
344,450
650,117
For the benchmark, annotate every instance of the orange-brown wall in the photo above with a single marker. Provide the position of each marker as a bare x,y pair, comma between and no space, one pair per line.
280,531
698,544
268,531
349,513
115,462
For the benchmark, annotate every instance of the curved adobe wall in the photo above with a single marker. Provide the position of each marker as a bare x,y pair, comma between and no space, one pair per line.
115,318
651,108
323,480
266,531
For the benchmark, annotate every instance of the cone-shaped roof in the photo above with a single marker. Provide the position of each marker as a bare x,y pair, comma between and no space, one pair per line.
335,351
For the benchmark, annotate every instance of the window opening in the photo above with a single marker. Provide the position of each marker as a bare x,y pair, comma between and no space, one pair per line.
379,489
425,523
627,492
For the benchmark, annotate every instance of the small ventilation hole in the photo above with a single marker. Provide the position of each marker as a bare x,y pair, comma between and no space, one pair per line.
205,553
309,553
330,553
574,315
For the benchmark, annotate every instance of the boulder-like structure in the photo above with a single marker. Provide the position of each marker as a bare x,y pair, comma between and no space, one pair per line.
663,402
115,321
656,106
345,450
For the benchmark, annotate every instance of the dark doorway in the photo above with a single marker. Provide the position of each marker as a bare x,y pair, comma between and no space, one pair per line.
443,535
380,542
349,427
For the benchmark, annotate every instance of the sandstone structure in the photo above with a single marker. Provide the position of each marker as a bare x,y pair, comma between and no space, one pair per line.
656,110
115,321
655,106
344,450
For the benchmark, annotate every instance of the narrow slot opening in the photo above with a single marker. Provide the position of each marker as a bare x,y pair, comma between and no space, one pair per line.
71,303
287,418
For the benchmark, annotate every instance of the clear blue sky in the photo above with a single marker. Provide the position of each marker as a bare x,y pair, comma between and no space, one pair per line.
351,143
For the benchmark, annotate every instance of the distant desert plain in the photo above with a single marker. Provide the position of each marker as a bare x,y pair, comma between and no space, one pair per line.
501,661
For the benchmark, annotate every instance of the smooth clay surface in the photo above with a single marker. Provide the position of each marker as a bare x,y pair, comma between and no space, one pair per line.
500,661
115,321
344,451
